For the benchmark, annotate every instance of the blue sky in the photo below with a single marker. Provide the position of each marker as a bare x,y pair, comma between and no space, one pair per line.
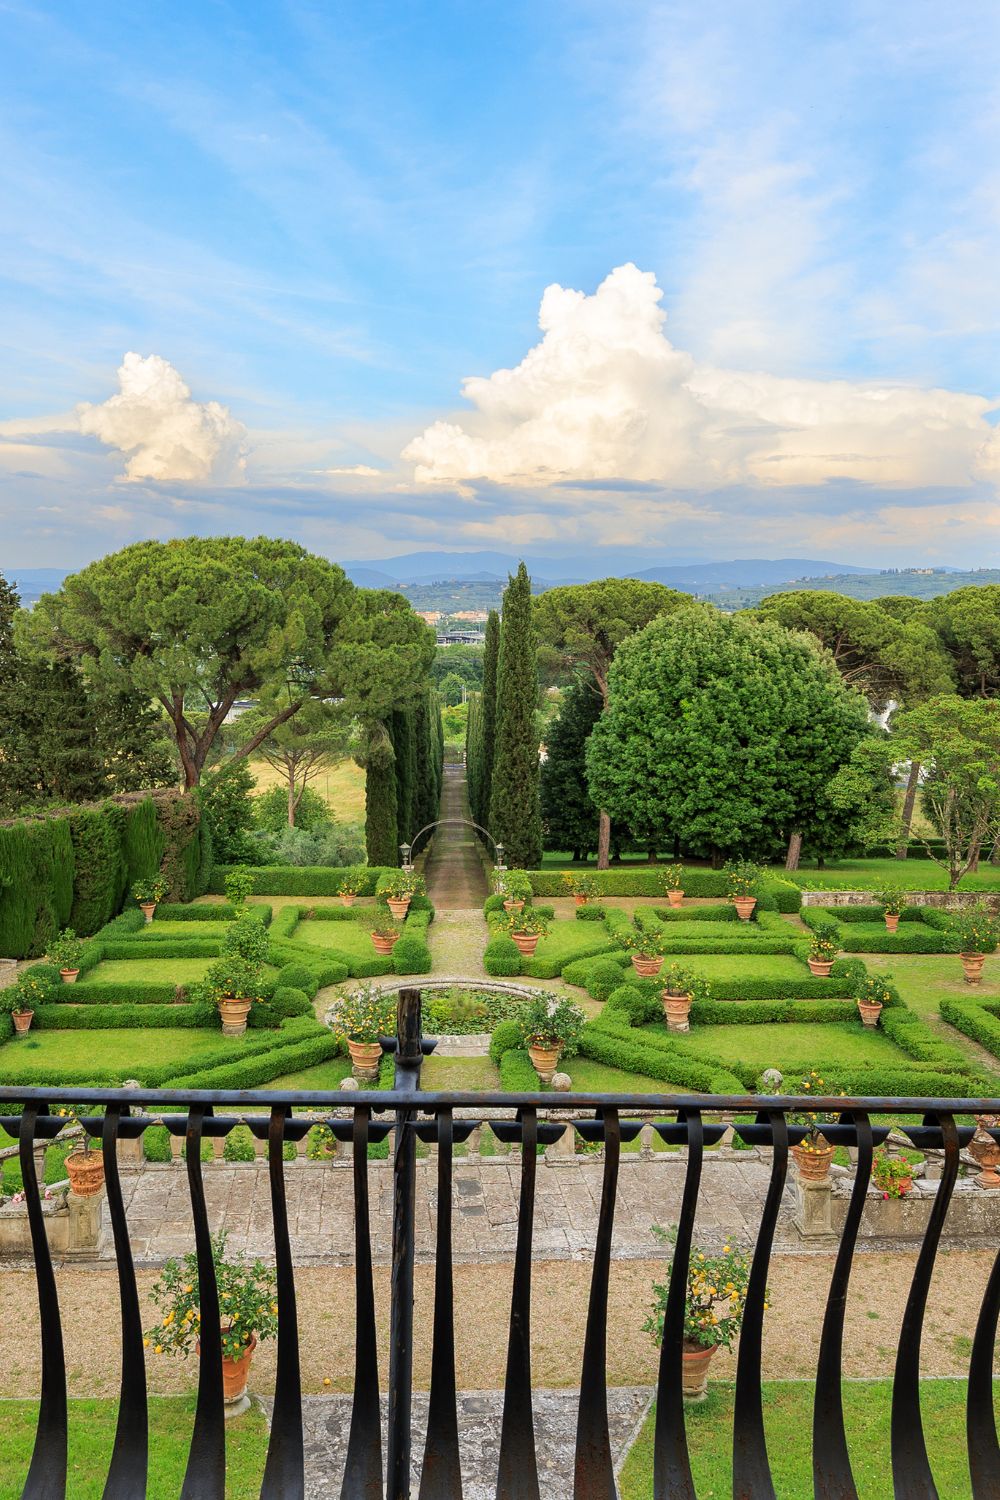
312,223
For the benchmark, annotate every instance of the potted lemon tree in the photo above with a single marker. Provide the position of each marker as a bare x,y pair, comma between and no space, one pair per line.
21,1000
248,1310
823,950
66,952
673,884
549,1029
525,927
892,899
977,930
149,893
360,1019
646,949
85,1167
714,1303
514,886
743,880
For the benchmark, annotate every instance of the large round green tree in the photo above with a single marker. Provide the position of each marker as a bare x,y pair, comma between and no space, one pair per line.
515,816
724,731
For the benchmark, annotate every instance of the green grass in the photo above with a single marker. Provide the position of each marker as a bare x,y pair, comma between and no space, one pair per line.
353,939
924,979
110,1051
788,1426
864,933
152,970
729,966
866,874
792,1046
456,1074
11,1180
168,929
566,940
324,1077
91,1437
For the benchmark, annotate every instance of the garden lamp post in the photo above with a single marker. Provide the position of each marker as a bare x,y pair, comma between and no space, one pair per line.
498,863
404,850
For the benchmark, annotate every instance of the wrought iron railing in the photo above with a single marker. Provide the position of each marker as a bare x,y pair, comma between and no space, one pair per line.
687,1121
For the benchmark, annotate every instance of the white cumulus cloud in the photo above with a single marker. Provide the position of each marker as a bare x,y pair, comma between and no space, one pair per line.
165,433
605,395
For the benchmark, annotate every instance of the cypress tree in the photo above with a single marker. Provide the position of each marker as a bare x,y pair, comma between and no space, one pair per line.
569,815
404,747
380,797
488,717
474,754
515,817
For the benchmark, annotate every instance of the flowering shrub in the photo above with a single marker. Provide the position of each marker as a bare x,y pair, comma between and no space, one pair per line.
715,1301
148,891
401,883
350,885
825,944
230,978
550,1023
580,885
247,1303
889,1173
977,928
513,885
363,1015
672,877
676,979
814,1083
743,879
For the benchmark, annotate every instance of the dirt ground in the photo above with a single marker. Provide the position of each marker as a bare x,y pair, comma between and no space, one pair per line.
798,1285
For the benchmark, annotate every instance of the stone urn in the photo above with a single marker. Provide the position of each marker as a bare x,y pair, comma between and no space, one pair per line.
527,942
384,942
820,967
891,921
22,1021
85,1170
869,1011
510,905
646,966
399,906
986,1153
234,1012
365,1058
69,976
972,965
544,1060
147,908
695,1361
676,898
744,907
813,1162
677,1010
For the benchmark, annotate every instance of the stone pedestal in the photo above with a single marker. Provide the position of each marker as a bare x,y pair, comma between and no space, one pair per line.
130,1153
812,1216
562,1153
84,1224
647,1135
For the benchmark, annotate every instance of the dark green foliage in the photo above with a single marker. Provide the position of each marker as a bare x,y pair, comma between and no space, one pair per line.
404,747
603,977
411,955
125,1016
295,880
506,1036
227,803
517,1073
502,956
255,1071
861,929
131,740
239,1145
463,662
287,1001
270,810
156,1143
515,817
36,885
100,865
297,976
776,894
481,727
143,843
569,814
48,738
381,808
186,863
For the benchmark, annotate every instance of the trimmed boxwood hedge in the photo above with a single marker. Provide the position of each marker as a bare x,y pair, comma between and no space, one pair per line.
775,895
517,1073
305,880
502,956
978,1021
261,1068
906,939
124,1017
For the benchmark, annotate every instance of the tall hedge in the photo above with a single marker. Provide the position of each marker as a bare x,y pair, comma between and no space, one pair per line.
515,818
488,718
142,841
100,866
380,799
36,885
403,732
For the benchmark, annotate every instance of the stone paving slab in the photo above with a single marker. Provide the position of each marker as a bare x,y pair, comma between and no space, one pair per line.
327,1423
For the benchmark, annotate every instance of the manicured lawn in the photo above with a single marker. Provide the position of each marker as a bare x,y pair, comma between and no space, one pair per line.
788,1426
866,874
924,979
856,936
792,1046
91,1437
168,929
326,1076
352,938
729,966
456,1074
112,1051
565,941
596,1077
703,931
156,970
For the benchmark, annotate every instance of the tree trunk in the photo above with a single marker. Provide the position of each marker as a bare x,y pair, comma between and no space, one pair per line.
603,839
974,853
794,851
652,855
909,802
291,799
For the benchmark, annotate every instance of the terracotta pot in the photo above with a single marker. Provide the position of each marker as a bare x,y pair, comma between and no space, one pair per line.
234,1014
544,1060
814,1166
695,1361
972,964
147,908
348,900
984,1150
869,1011
385,942
85,1170
744,907
820,967
527,942
891,921
513,905
365,1057
676,898
69,976
646,968
235,1371
677,1009
399,906
22,1021
581,900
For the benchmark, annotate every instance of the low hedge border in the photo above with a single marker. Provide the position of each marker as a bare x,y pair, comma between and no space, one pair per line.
305,880
775,894
123,1017
254,1072
202,911
517,1073
847,918
978,1021
598,979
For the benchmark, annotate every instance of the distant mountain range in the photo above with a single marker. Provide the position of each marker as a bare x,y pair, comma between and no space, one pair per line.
423,568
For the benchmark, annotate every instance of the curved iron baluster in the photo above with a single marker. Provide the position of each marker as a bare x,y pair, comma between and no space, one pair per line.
911,1471
284,1469
517,1476
594,1469
205,1475
833,1478
980,1421
751,1469
363,1468
441,1477
47,1473
672,1479
127,1474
